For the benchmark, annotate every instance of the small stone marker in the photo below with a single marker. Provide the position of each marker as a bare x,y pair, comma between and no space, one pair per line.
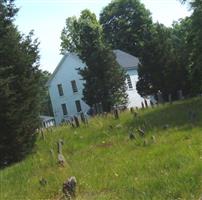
61,159
83,119
69,188
116,113
142,104
145,102
153,138
76,120
135,114
180,95
132,110
141,132
160,97
151,103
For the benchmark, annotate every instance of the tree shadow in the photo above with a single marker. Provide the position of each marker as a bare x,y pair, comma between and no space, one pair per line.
181,114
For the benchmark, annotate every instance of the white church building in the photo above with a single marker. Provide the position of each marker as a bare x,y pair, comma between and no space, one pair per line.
65,85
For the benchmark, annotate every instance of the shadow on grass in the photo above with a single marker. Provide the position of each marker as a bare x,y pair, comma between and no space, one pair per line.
176,115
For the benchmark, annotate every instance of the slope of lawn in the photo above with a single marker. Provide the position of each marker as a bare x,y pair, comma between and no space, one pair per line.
164,164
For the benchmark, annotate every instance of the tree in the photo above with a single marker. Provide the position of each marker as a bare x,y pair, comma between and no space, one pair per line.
196,46
45,102
19,83
126,24
161,66
104,79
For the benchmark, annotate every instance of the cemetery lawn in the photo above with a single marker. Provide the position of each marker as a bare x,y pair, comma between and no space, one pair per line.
164,164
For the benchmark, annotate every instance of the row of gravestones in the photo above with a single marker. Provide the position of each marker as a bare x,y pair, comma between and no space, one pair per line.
69,186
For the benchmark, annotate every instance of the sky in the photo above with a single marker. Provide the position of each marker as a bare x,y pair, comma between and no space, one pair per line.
47,19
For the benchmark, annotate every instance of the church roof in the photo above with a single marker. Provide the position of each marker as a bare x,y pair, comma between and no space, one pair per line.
126,60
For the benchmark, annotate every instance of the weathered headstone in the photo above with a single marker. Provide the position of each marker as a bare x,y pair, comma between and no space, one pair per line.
116,113
132,110
141,132
151,103
69,188
180,95
142,104
160,97
153,138
135,114
61,159
145,102
76,120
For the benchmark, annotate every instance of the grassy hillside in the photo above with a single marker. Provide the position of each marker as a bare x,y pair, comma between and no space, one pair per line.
164,164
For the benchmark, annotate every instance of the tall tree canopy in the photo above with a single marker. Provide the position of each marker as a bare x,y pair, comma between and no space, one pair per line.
19,78
104,78
126,25
162,65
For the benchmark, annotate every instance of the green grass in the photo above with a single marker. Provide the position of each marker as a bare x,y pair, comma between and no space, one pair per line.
108,165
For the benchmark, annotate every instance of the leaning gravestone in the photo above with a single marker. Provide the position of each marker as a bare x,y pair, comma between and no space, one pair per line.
151,103
180,95
61,159
159,97
69,188
76,120
142,104
145,102
141,132
116,113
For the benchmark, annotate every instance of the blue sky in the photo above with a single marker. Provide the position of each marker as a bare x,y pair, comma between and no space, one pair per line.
47,19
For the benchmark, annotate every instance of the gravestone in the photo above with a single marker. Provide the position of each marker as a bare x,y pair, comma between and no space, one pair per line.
69,188
142,104
132,110
135,114
145,102
160,97
116,113
141,132
76,120
61,159
151,103
180,95
153,138
83,118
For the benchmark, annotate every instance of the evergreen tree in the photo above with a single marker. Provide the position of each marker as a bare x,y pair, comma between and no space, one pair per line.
104,78
19,78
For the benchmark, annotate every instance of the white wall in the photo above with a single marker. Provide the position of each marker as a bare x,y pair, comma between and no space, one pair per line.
134,99
64,76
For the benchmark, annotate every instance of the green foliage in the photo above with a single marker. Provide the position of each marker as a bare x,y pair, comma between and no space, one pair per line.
104,78
19,79
163,64
196,47
45,107
108,165
126,24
